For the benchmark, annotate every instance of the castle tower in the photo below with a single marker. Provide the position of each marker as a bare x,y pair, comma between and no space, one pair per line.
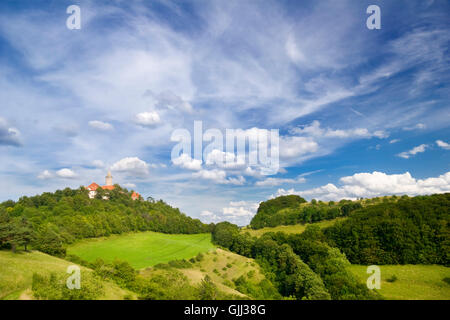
108,179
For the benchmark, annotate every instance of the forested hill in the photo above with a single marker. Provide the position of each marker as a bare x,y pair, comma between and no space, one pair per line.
292,209
386,230
50,221
409,231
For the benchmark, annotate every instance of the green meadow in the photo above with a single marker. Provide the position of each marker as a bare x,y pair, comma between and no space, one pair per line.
295,228
143,249
413,282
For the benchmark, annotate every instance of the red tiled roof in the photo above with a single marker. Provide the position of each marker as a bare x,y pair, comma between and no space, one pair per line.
108,187
93,186
135,195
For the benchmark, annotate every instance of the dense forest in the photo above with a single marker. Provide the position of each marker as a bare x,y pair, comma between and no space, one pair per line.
302,266
408,231
292,209
312,265
50,221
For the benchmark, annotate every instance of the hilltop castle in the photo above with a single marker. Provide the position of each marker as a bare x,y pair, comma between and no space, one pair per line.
108,186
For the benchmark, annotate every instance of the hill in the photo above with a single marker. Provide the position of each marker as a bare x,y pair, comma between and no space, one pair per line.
51,221
409,231
231,273
292,210
17,269
296,228
142,249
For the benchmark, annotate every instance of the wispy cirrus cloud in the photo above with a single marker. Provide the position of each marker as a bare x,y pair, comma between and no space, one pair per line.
408,154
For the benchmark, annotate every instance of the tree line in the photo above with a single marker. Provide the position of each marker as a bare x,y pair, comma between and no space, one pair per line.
409,231
50,221
302,266
293,209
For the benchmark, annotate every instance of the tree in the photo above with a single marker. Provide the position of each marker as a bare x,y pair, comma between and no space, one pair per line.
207,289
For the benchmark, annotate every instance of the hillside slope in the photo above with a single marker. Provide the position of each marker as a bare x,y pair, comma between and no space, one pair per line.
231,273
295,228
17,273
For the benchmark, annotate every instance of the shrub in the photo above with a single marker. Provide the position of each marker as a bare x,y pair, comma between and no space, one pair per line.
393,278
53,287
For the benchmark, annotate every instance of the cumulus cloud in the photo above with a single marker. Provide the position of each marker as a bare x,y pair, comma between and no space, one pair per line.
186,162
44,175
131,166
98,163
206,213
443,145
100,125
148,119
218,176
240,209
66,173
9,136
226,160
293,146
413,151
270,182
375,184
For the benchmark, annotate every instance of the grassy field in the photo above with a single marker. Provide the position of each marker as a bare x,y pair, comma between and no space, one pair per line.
16,272
296,228
143,249
415,282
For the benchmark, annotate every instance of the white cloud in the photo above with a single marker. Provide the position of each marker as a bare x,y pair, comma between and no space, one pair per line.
169,100
218,176
292,147
315,130
375,184
98,163
129,185
44,175
241,209
419,126
413,151
206,213
148,119
186,162
278,181
66,173
443,144
225,160
100,125
394,141
131,166
8,135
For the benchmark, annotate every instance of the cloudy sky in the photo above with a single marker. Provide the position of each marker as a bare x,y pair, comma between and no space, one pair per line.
360,112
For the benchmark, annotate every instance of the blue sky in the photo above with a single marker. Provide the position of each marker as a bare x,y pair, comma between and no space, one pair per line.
360,112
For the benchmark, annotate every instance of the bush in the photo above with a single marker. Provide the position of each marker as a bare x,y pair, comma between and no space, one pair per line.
393,278
199,257
53,287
